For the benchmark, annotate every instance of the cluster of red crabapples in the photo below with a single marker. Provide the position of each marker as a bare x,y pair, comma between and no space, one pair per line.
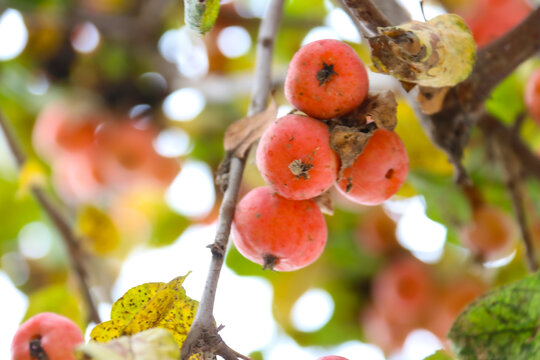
92,152
280,226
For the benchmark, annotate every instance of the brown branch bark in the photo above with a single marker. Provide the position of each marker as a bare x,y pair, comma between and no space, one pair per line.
513,169
76,254
203,335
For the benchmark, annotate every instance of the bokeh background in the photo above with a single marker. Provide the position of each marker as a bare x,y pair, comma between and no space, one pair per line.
122,110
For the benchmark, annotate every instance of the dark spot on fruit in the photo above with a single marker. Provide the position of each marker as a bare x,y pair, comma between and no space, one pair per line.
270,261
257,215
300,169
389,174
325,73
36,351
348,188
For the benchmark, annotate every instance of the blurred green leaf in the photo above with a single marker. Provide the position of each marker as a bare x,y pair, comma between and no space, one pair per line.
58,299
439,355
502,324
200,15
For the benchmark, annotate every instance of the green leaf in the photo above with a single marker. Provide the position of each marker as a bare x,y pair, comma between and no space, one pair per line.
502,324
147,345
439,355
58,299
440,52
200,15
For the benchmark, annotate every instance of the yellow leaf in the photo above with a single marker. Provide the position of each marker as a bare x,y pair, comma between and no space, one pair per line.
98,230
440,52
32,174
151,305
422,153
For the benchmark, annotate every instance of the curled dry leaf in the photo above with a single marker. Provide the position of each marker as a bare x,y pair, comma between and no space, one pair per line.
431,99
325,203
440,52
245,132
348,142
147,345
382,109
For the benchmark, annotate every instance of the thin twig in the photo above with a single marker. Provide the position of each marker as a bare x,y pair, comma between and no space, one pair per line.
530,162
76,255
512,171
203,327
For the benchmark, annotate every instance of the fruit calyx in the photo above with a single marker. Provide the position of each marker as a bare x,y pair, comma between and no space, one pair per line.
325,73
36,350
270,261
300,169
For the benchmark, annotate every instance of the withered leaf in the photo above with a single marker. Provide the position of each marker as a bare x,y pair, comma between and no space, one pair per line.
431,99
382,108
245,132
440,52
348,143
325,203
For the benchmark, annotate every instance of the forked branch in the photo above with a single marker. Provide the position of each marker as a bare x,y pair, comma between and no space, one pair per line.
203,336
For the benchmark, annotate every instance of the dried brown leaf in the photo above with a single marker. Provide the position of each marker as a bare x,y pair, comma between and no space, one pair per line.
245,132
382,108
325,203
431,99
348,143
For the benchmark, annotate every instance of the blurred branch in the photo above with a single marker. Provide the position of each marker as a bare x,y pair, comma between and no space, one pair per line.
529,161
513,169
77,256
203,336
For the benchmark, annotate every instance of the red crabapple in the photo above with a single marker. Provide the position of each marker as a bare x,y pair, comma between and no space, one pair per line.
55,335
490,19
402,291
295,157
491,235
326,79
378,172
332,357
276,232
532,95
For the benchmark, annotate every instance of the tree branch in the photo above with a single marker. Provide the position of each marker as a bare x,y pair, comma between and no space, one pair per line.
203,331
76,254
513,168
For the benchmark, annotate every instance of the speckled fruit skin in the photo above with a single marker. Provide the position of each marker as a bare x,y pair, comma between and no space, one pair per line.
292,232
378,172
59,337
532,95
297,141
491,235
345,88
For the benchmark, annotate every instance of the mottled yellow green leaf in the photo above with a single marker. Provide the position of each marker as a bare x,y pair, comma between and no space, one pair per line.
32,174
440,52
200,15
98,230
151,344
147,306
